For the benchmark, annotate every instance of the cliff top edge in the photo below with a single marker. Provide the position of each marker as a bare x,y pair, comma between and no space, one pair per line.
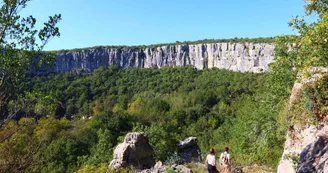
268,40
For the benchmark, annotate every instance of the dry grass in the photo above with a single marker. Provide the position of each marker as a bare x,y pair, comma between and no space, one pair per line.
257,169
197,167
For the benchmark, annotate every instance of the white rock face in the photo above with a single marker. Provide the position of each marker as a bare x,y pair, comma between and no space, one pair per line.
297,141
243,57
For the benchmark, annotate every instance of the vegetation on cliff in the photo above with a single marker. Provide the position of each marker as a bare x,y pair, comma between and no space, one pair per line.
297,54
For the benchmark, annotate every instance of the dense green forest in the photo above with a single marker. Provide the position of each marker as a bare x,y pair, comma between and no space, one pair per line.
220,107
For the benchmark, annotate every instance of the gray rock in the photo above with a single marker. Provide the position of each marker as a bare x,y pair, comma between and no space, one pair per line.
314,157
181,168
300,137
243,57
238,170
188,150
158,168
135,151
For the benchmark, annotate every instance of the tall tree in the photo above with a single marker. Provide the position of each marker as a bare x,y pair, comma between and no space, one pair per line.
21,45
312,42
309,48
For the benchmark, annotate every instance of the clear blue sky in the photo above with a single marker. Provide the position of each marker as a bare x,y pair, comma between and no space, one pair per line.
89,23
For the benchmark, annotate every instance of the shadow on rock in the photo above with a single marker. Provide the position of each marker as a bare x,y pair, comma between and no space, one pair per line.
314,157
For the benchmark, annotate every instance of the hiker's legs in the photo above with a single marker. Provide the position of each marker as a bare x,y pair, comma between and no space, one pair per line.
211,169
227,169
221,168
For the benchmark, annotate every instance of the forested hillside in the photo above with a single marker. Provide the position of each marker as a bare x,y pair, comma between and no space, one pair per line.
87,115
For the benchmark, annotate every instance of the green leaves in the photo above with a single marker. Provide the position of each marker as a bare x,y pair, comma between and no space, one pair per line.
161,138
102,152
316,6
295,54
21,46
311,42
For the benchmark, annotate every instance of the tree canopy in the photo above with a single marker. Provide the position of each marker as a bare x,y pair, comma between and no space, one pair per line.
21,45
310,46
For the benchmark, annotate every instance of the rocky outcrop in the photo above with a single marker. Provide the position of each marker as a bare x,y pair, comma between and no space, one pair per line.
135,151
305,148
188,150
314,157
243,57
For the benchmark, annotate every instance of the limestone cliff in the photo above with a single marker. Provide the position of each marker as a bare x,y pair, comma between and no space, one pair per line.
246,57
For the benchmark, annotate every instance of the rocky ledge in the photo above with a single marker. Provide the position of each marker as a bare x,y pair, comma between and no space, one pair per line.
306,146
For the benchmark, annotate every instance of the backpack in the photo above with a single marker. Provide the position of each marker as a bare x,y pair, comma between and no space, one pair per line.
224,158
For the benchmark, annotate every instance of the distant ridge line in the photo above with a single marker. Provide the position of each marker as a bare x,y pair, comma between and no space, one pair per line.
229,40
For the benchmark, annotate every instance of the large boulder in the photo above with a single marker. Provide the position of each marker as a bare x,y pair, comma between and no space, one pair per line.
189,151
135,151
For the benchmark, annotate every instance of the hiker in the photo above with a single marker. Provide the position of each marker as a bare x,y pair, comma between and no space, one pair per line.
225,161
211,162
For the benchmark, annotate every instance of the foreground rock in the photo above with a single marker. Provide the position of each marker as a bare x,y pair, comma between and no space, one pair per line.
189,151
158,168
314,157
305,148
135,151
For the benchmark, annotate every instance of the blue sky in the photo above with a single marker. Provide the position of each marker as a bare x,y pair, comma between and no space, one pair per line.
89,23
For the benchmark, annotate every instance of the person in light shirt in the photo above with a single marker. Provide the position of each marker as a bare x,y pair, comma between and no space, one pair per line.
211,162
225,161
